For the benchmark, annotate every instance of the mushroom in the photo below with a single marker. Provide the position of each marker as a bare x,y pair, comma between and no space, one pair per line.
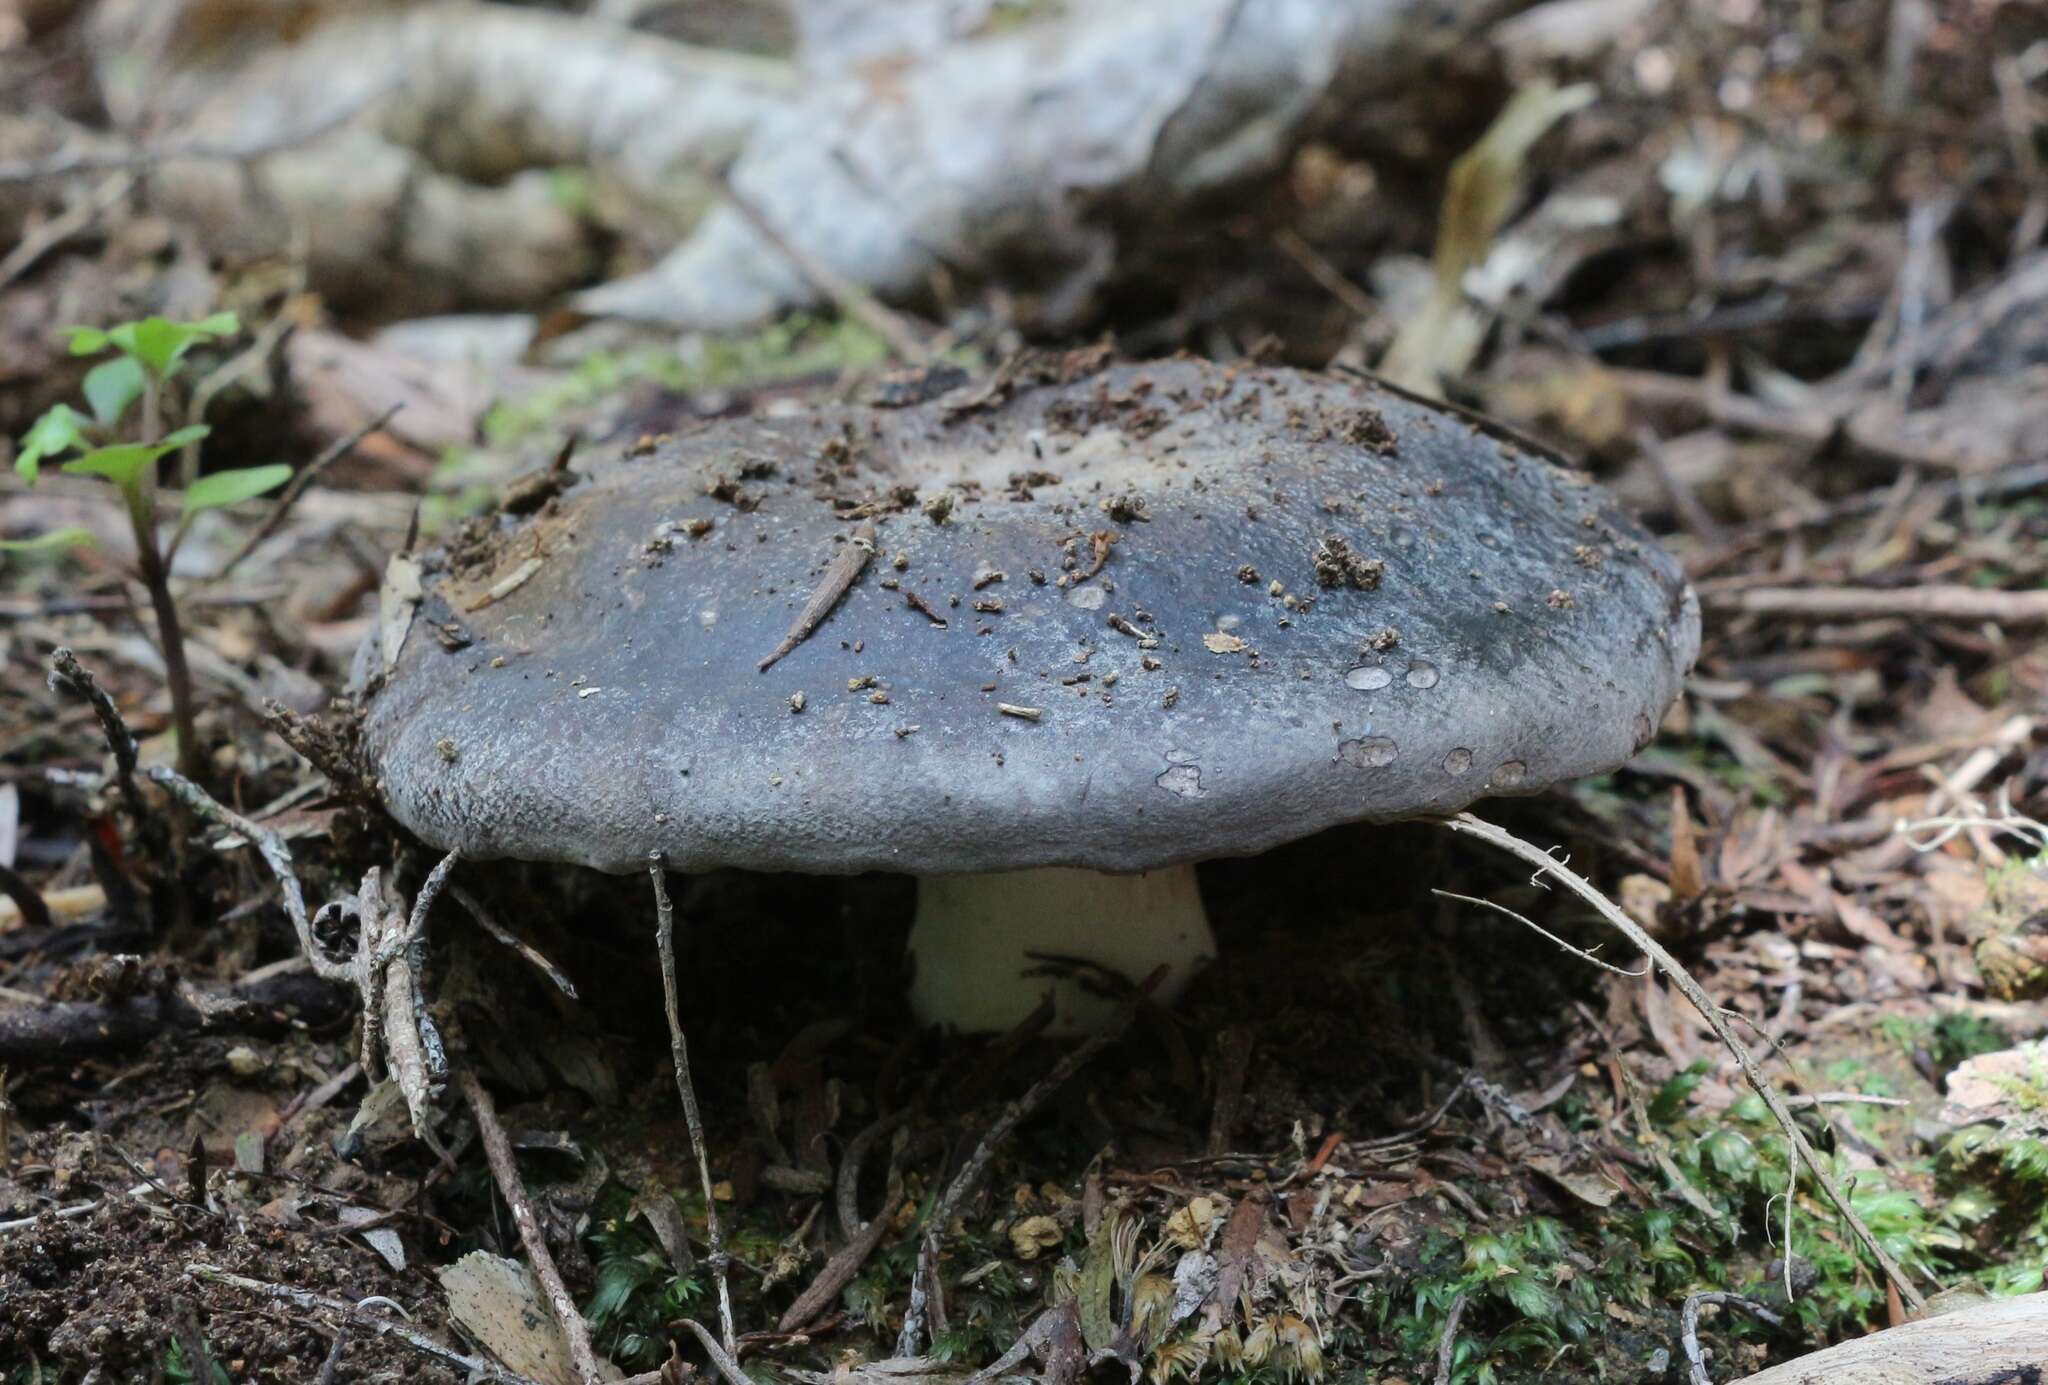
1042,642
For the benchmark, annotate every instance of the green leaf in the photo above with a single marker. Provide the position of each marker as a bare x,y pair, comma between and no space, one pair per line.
1531,1296
57,431
57,538
160,344
1669,1103
123,463
87,341
111,386
233,487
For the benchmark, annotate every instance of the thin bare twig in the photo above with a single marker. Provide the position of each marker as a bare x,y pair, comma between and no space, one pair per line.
498,1151
1447,1344
1579,953
301,481
721,1360
489,923
66,672
1506,841
475,1367
910,1341
850,298
1695,1359
679,1051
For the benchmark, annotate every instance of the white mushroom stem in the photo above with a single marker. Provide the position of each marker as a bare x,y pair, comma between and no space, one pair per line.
974,939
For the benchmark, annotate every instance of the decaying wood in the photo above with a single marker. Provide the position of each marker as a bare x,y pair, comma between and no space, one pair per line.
1999,1342
68,1030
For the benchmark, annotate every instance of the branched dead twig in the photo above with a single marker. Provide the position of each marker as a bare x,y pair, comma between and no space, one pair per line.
1689,1337
498,1151
1487,832
679,1051
910,1341
384,969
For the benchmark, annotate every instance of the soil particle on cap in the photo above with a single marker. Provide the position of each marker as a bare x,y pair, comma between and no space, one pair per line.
1248,574
1337,565
1588,556
729,490
1126,509
1369,428
1560,600
939,508
1384,639
1220,643
922,607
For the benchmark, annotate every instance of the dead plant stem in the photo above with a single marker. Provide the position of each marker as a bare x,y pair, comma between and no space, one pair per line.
1549,865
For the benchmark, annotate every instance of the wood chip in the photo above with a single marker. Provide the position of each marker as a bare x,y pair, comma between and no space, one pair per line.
506,585
1011,709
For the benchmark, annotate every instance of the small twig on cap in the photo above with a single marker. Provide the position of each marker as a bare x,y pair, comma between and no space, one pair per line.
844,570
498,1151
910,1342
1549,865
679,1050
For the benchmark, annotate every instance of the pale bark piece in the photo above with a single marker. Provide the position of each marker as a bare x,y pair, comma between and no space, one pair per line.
1999,1342
990,152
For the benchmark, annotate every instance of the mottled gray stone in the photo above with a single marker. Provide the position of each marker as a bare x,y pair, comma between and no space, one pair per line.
1521,631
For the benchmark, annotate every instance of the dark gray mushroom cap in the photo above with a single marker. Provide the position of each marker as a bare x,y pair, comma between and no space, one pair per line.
1230,606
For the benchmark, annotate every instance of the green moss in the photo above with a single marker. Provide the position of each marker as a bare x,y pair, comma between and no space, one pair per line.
796,346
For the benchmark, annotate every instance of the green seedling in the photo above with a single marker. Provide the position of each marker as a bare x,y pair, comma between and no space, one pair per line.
147,358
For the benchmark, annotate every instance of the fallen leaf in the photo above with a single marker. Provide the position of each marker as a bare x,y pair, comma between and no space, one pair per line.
496,1301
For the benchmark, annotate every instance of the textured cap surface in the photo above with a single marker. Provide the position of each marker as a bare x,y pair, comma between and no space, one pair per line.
1223,607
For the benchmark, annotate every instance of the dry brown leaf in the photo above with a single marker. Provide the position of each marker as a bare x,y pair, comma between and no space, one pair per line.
496,1301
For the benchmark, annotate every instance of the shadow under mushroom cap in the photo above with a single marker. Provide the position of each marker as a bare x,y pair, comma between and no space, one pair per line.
1454,616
